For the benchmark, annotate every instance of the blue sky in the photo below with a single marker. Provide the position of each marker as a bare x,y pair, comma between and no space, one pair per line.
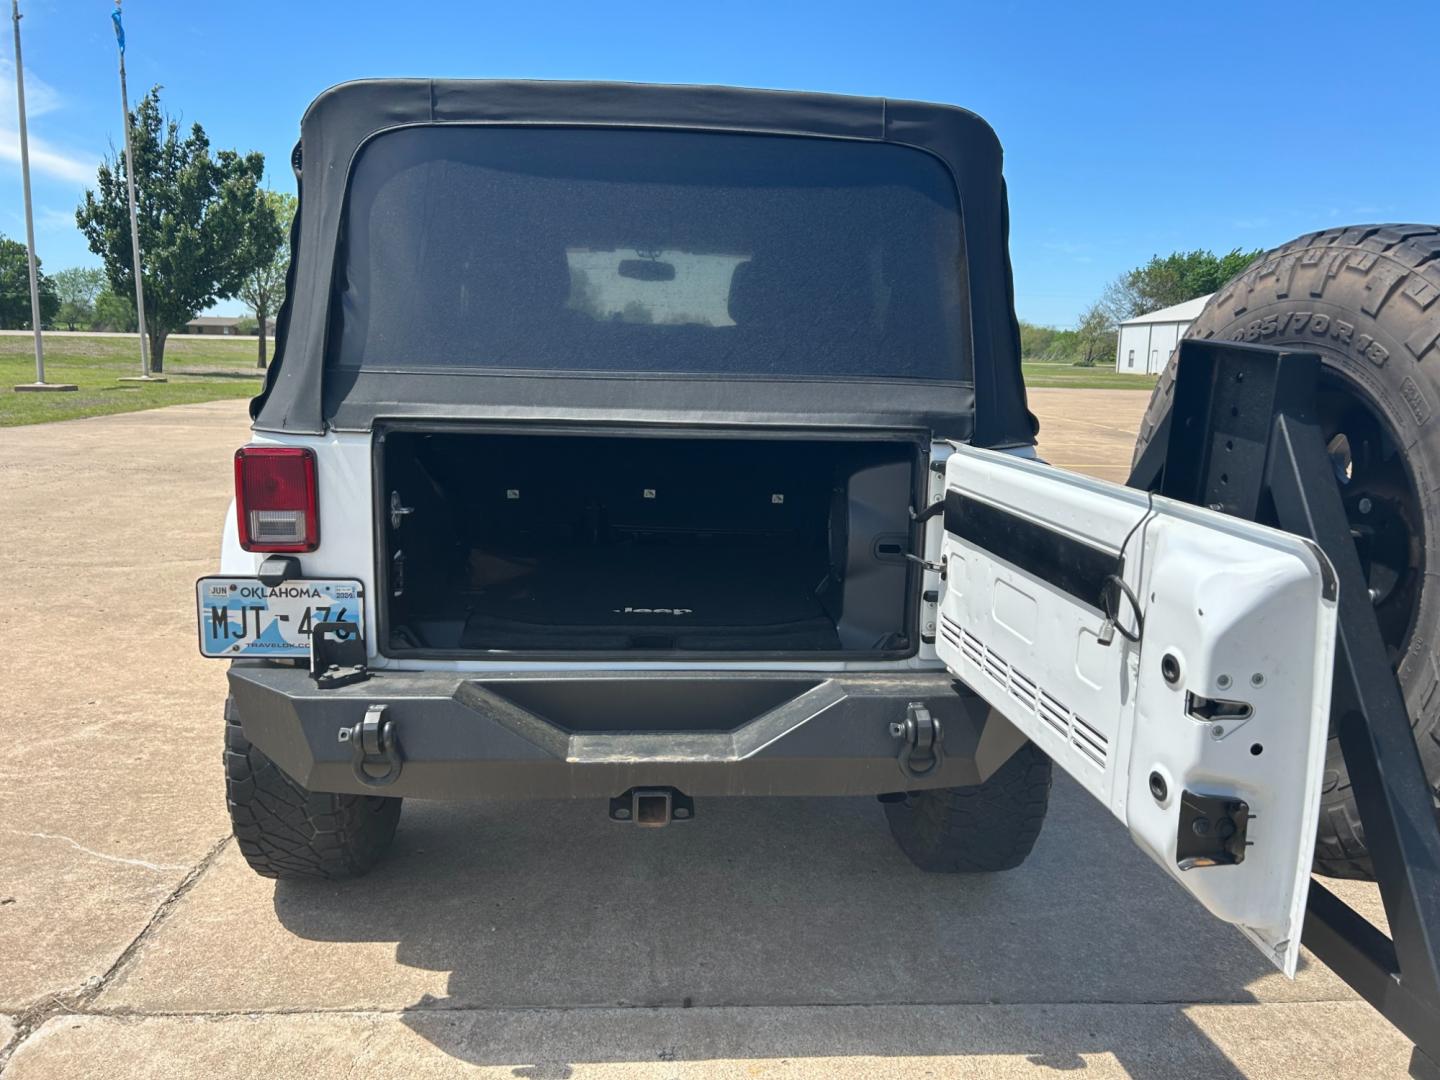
1130,129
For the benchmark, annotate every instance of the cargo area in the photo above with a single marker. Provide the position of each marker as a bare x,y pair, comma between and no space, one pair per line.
558,542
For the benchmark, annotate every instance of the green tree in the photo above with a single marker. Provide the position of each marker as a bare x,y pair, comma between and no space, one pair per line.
263,288
1094,336
15,288
1035,340
115,312
1172,279
77,288
198,218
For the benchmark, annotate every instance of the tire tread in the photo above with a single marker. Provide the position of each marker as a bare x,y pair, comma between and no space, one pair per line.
981,829
1397,269
285,831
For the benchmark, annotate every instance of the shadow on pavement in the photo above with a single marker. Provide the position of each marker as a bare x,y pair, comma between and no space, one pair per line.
775,902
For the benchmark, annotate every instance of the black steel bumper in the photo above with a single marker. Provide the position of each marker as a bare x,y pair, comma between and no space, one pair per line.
589,735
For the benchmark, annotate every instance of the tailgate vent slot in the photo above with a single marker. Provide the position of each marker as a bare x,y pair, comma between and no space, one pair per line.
950,632
1023,689
1054,714
1084,737
1088,741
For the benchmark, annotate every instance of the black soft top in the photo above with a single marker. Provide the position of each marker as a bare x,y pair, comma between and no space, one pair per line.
302,396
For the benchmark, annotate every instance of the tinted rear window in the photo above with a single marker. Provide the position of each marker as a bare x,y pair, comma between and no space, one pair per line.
567,249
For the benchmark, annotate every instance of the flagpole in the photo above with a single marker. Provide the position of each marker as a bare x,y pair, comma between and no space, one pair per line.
145,375
39,383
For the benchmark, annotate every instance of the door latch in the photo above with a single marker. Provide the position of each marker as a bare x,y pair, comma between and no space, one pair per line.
398,510
921,739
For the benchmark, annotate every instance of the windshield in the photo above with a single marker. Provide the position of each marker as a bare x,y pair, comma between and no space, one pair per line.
603,250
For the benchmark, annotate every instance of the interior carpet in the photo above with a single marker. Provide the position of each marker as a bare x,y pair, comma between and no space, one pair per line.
654,597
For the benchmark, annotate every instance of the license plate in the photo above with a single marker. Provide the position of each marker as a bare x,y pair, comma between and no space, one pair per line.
243,617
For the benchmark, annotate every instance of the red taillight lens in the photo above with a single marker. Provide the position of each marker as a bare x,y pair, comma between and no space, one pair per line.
275,498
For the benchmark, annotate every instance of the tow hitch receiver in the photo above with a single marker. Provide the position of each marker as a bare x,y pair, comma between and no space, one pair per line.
652,807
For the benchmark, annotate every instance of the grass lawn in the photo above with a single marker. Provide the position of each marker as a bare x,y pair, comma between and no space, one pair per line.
1095,378
198,369
208,368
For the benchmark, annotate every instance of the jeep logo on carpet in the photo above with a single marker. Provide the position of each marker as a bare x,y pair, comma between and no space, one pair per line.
654,611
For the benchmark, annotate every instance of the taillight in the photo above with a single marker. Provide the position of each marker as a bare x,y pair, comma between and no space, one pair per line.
275,498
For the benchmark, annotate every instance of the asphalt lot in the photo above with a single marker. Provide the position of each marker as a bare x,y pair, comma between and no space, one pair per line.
766,938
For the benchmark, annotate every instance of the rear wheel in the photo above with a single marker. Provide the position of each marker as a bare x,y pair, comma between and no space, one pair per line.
979,829
1367,299
285,831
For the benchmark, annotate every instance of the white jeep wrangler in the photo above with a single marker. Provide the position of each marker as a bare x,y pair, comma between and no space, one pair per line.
642,444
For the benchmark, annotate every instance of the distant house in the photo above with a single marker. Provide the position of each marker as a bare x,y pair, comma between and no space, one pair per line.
1146,341
213,324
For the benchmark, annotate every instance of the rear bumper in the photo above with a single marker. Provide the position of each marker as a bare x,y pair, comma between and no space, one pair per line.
576,735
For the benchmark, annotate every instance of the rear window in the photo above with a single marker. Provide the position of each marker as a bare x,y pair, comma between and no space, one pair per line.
597,250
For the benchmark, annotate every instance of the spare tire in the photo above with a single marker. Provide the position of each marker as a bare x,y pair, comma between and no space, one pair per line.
1367,299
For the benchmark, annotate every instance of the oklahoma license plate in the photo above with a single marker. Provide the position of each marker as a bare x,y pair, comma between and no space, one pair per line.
244,617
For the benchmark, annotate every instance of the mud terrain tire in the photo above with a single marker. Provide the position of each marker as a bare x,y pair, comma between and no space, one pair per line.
285,831
1367,299
980,829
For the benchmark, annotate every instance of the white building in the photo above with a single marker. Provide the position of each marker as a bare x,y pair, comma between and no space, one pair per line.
1146,341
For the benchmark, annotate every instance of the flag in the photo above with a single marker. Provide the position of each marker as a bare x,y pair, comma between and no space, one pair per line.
119,30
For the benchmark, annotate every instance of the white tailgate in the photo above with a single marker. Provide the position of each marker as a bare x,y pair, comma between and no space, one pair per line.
1246,615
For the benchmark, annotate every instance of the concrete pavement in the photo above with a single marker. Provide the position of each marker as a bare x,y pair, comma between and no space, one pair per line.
108,796
1089,431
1146,1042
767,937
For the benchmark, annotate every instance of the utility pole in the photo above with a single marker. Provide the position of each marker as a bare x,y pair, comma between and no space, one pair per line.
39,383
145,375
